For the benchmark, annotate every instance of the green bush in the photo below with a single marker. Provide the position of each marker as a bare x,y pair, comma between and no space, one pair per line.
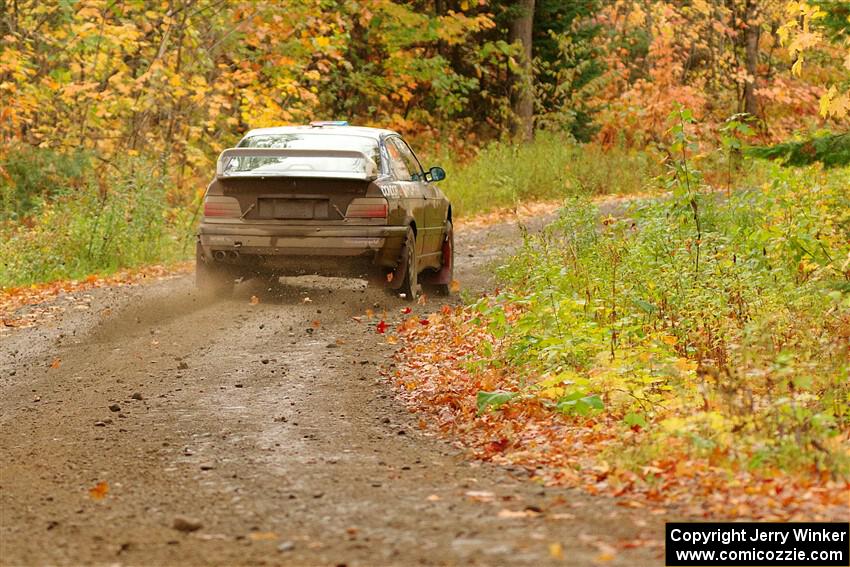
122,220
31,176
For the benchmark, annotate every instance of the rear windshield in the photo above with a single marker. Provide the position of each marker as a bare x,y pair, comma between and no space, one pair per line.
304,165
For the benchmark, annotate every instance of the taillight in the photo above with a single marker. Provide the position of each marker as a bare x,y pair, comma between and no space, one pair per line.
367,208
215,206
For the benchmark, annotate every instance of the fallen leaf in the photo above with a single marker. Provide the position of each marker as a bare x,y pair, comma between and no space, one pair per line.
422,299
556,551
262,536
99,491
370,313
381,327
316,323
389,277
254,300
505,513
480,495
391,340
56,363
433,498
454,286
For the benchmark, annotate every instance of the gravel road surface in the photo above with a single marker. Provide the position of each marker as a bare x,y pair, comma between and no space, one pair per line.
144,425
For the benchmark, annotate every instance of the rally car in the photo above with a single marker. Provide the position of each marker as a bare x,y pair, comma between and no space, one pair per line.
327,199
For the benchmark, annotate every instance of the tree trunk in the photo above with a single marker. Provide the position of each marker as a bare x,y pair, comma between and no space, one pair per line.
520,31
751,58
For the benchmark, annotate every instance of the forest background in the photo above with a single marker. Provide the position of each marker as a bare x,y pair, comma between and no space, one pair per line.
114,111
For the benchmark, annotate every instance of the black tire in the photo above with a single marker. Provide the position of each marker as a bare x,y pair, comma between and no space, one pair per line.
445,275
210,280
410,282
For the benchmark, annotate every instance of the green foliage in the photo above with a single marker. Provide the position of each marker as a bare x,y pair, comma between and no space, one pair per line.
832,150
29,176
122,220
551,167
492,400
741,356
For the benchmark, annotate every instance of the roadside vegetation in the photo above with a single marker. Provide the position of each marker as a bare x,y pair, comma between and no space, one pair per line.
690,350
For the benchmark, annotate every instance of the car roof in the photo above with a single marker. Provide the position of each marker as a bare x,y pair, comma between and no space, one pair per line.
375,133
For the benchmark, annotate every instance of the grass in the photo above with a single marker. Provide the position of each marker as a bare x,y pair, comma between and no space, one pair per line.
96,224
551,167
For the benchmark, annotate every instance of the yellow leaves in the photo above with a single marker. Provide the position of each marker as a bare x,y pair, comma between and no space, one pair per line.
685,365
556,551
551,393
834,103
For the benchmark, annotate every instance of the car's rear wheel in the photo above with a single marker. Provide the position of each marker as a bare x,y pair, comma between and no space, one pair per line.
440,282
410,278
211,279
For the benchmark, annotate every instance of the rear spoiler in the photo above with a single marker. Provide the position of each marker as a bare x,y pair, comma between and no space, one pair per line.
370,167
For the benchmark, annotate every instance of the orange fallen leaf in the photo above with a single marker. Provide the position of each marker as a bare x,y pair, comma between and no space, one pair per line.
391,340
370,313
99,491
316,323
454,286
254,300
262,536
56,363
389,277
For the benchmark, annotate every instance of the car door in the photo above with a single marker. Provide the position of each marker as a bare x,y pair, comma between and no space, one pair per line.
410,190
432,230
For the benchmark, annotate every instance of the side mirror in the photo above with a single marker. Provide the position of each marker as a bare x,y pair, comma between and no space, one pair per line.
435,174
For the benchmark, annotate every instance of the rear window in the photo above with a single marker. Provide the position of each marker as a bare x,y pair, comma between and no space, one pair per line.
303,165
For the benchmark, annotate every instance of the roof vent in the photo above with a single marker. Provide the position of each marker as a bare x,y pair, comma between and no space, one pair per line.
322,123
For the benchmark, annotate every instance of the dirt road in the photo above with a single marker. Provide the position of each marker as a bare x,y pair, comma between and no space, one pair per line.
270,426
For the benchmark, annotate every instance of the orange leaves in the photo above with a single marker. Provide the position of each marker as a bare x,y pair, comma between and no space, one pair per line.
99,491
440,372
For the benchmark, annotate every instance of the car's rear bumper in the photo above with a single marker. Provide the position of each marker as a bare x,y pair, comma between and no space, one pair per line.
288,247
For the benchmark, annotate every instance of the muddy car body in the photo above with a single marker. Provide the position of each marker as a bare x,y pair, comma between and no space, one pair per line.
325,199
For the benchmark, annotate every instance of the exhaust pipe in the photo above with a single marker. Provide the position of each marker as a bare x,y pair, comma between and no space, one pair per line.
219,255
233,255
